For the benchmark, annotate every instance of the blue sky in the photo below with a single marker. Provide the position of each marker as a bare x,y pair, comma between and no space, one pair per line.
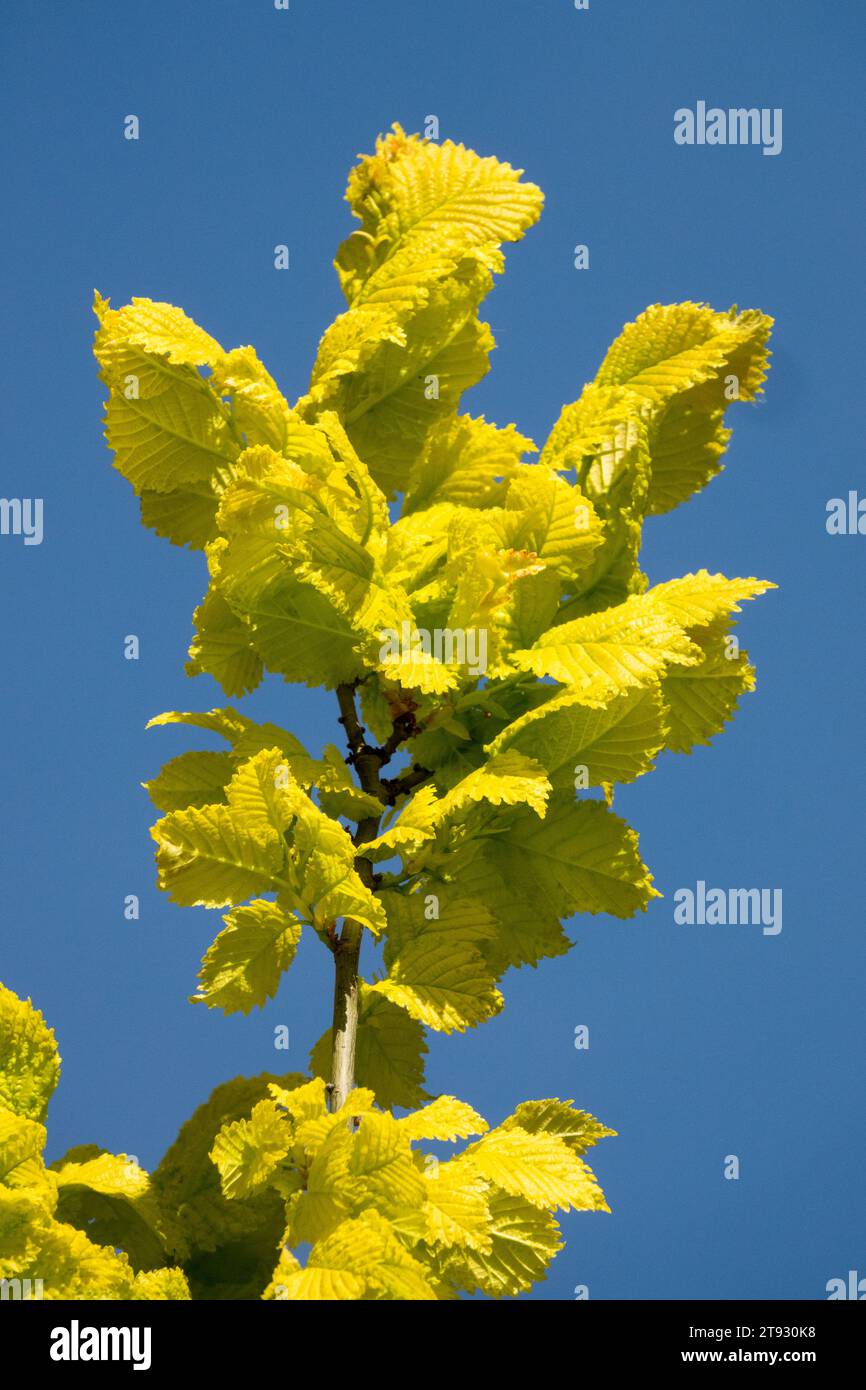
705,1041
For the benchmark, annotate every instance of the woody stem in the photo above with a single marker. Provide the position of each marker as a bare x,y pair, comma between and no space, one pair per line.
347,944
368,762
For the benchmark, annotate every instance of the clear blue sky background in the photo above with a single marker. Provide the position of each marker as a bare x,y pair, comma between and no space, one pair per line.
705,1041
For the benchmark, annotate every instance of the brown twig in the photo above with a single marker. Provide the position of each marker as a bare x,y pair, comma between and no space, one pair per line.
368,762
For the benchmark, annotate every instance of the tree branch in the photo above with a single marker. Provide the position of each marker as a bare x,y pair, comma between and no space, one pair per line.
347,953
404,727
368,762
349,718
406,782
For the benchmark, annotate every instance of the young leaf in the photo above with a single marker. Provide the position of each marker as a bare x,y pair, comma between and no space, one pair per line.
433,217
29,1061
211,856
600,656
688,362
246,962
246,1152
539,1167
